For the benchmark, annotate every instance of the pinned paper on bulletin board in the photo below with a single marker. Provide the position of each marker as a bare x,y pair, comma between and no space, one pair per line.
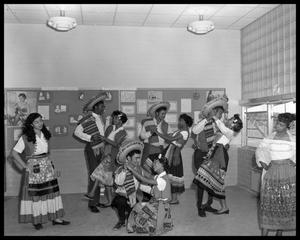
155,96
171,118
44,96
186,105
173,106
127,96
128,109
44,111
60,130
141,105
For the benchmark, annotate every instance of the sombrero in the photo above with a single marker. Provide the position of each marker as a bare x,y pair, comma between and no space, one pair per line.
126,148
155,106
99,97
217,102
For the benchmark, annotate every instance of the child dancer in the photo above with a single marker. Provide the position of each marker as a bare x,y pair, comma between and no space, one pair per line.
115,134
211,173
177,139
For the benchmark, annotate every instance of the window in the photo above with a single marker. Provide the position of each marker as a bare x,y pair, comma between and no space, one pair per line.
260,120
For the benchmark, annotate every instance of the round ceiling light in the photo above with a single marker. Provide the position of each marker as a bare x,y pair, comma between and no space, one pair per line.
62,23
200,26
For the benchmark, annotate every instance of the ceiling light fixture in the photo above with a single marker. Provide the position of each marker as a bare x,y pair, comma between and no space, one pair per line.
62,23
201,26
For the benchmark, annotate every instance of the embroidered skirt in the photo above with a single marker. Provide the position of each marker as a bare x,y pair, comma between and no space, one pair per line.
152,217
212,172
104,171
40,196
175,169
277,209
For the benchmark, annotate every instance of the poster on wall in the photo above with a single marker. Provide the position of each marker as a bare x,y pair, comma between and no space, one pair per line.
186,105
212,94
173,106
171,118
155,96
60,108
130,122
19,104
128,109
127,96
44,97
141,105
74,118
44,111
60,130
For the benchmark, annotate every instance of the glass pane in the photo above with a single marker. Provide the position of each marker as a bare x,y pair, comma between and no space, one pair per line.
259,108
290,107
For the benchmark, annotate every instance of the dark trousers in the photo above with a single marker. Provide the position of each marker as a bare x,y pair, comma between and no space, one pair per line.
120,203
198,160
92,162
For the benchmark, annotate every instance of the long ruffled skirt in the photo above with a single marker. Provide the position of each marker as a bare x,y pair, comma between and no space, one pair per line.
40,197
277,209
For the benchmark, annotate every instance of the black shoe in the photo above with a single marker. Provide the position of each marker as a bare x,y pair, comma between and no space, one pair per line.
222,212
101,205
210,209
63,222
38,226
201,212
119,225
88,197
94,209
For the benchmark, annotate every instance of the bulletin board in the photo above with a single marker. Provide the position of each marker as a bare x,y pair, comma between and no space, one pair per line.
188,100
61,109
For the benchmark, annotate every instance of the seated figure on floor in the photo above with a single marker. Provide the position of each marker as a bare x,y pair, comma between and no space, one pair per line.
126,185
153,217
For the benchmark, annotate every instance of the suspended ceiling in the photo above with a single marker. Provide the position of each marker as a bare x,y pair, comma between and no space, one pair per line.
224,16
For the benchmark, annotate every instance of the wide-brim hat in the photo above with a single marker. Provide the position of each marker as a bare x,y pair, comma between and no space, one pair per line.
217,102
126,148
155,106
99,97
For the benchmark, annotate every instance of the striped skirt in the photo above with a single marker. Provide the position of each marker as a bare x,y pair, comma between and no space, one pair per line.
211,173
40,198
277,209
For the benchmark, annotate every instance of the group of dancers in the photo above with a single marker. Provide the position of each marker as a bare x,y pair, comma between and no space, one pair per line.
143,177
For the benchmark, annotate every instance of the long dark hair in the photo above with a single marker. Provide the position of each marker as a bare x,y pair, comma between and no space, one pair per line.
28,130
286,118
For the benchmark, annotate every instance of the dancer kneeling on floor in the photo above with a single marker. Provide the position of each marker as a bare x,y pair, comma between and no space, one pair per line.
127,192
153,217
211,173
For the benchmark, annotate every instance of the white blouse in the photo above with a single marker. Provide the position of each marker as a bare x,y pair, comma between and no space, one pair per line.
41,145
184,134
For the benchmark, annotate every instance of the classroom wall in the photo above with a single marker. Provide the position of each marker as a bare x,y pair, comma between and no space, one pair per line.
91,57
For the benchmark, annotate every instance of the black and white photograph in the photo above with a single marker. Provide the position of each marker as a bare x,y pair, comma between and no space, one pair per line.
149,119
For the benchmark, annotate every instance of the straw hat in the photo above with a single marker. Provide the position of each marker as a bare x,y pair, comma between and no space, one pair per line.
126,148
155,106
217,102
100,97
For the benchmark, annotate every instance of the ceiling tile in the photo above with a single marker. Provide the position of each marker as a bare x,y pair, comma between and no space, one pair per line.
203,9
185,19
8,14
161,18
224,20
168,8
229,11
99,7
242,5
163,25
33,20
105,17
134,8
26,6
257,12
66,7
130,17
269,5
243,22
30,14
